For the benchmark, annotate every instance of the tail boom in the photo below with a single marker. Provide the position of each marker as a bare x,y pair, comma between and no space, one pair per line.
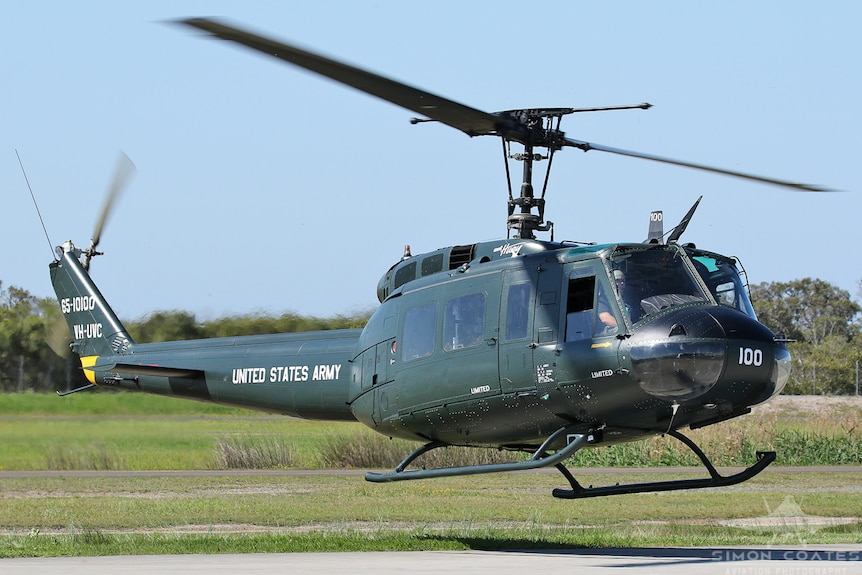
299,374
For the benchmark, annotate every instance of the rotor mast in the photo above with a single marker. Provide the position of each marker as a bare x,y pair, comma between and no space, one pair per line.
537,130
524,220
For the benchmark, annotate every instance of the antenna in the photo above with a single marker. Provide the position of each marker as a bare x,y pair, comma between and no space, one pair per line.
680,227
32,195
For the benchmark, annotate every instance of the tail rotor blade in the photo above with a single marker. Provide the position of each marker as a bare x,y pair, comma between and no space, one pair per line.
124,170
57,337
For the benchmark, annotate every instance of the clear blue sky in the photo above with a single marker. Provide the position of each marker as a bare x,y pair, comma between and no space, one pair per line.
261,187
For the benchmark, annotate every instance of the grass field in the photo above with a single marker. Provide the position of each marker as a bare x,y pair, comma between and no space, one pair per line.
109,513
144,514
113,431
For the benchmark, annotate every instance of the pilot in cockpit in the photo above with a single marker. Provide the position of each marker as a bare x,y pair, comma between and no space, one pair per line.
620,283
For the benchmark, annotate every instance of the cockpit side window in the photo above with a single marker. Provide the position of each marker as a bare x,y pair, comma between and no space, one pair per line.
579,308
724,280
588,310
607,322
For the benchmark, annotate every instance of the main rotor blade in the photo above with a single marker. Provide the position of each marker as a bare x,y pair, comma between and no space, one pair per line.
469,120
125,168
586,146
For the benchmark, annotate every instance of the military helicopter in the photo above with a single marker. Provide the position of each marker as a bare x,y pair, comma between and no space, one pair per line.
521,344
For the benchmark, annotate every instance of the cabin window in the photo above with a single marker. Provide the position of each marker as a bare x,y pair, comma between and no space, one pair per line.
432,264
419,328
518,311
464,322
405,274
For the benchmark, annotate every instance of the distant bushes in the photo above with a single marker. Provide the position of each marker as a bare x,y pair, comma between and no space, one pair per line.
368,450
180,325
821,438
253,452
96,457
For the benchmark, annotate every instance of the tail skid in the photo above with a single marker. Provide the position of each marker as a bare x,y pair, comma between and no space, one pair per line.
96,330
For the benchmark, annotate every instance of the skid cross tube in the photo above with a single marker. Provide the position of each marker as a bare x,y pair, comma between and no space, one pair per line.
537,460
715,479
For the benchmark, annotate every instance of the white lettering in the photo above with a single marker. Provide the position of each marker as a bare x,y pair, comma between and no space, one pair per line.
544,373
749,356
285,373
87,331
77,303
480,389
507,248
602,373
326,372
249,375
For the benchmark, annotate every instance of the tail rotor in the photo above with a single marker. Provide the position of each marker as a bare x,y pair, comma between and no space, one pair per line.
124,170
58,336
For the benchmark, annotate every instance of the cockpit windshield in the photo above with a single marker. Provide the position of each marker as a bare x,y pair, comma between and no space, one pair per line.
653,278
723,279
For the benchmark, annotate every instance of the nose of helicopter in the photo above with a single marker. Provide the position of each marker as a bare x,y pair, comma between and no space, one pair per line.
684,354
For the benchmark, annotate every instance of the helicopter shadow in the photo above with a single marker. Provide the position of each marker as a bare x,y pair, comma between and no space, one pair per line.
682,555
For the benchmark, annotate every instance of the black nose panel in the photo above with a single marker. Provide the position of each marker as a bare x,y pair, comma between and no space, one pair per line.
682,354
678,371
692,322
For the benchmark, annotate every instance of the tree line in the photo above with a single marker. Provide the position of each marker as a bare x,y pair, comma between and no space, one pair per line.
822,321
825,327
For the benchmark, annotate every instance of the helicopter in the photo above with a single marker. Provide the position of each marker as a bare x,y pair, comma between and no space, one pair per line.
523,344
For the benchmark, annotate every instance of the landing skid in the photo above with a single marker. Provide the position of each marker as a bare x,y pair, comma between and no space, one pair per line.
537,460
575,442
715,479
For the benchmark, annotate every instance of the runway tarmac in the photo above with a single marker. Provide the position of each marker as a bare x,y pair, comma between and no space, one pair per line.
825,560
90,474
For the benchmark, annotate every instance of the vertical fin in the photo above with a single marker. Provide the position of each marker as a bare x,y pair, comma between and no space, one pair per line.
95,328
656,227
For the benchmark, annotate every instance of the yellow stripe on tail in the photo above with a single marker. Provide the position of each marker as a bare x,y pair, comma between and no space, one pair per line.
86,362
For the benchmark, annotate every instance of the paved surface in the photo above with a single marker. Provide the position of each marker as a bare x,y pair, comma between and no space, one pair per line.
830,559
579,471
